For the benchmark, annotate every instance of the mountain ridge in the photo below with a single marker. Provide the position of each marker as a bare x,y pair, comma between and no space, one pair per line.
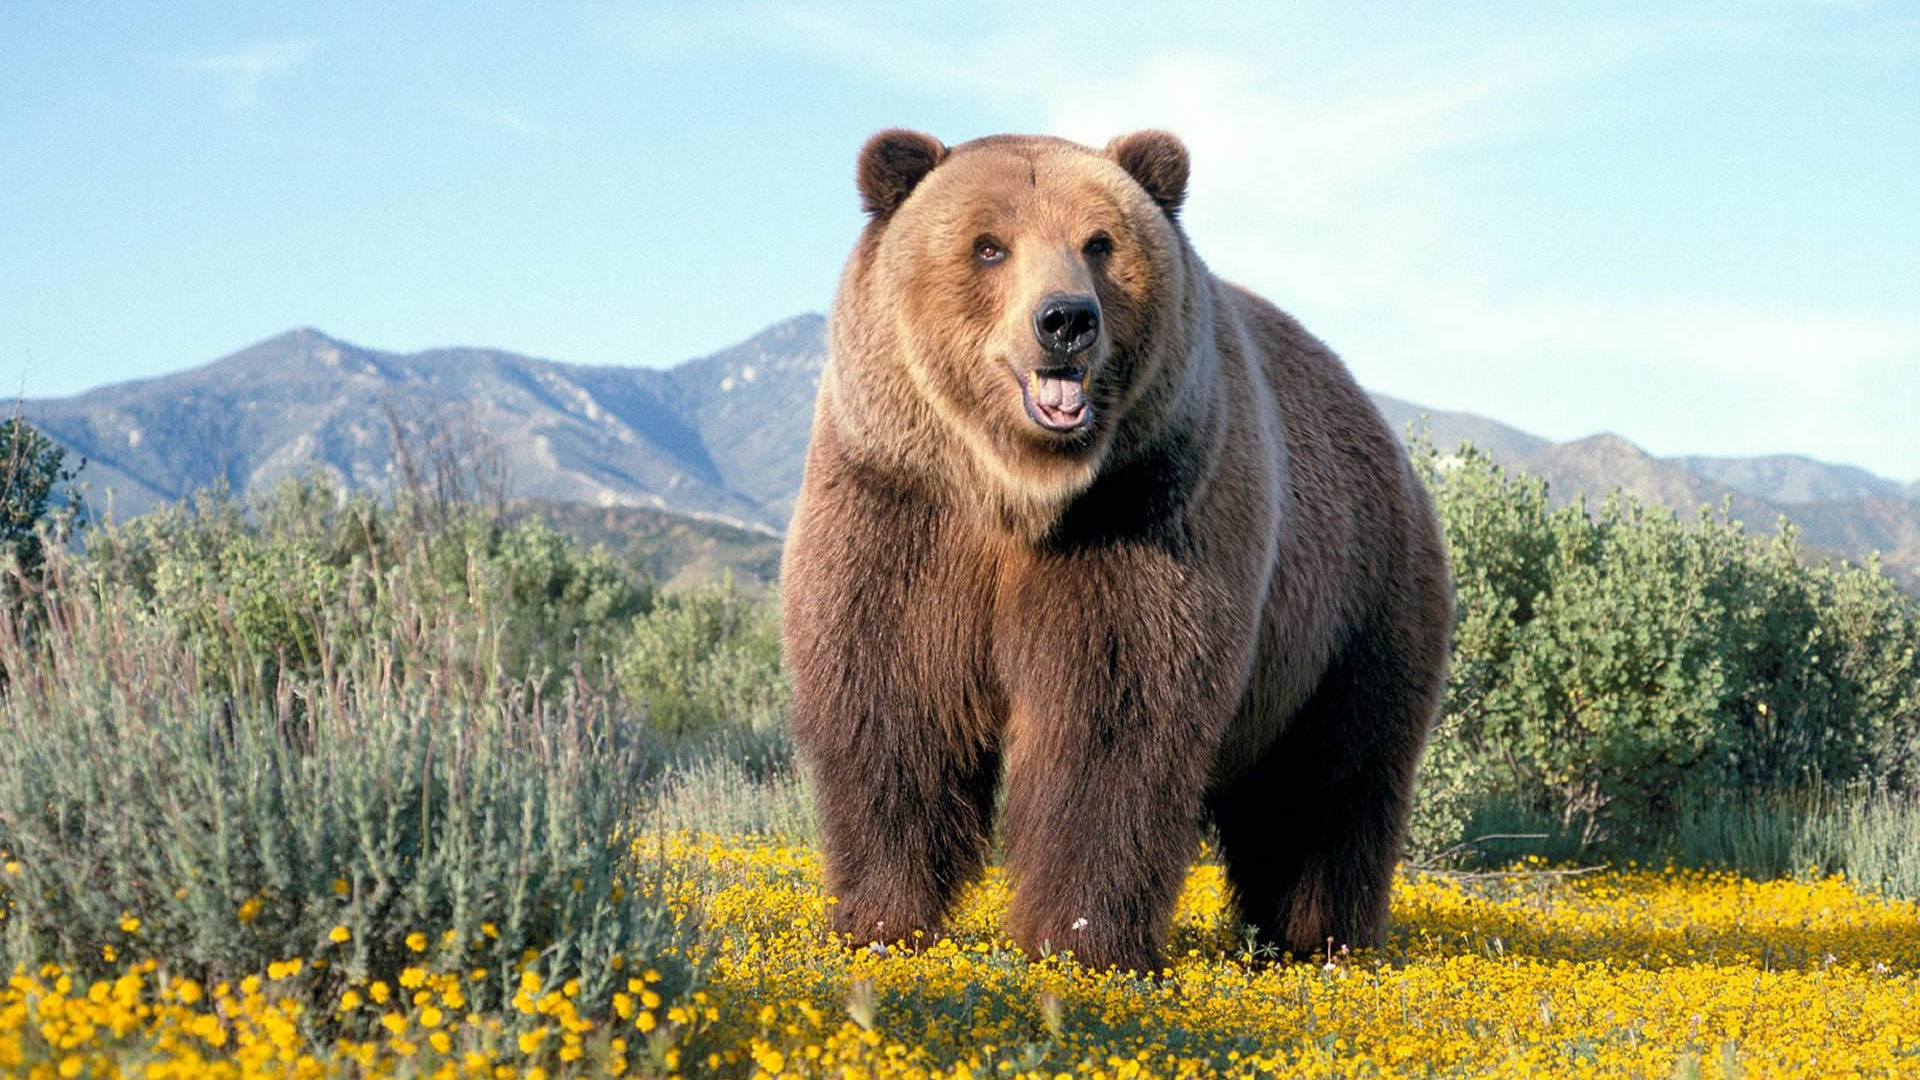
723,437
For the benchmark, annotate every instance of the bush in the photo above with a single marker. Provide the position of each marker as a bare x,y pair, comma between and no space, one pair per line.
1610,667
722,795
253,587
238,726
144,810
1866,831
32,472
704,660
1872,835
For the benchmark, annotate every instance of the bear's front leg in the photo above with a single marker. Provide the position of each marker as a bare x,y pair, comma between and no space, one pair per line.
894,711
1118,708
904,821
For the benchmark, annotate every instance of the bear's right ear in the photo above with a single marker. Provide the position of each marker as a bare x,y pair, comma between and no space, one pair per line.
891,164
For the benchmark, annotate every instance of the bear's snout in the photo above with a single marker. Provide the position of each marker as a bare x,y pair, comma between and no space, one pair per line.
1067,323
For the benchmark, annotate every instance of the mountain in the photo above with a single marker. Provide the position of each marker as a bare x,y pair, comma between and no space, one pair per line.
723,438
1792,480
1769,491
685,439
1598,464
752,405
1450,429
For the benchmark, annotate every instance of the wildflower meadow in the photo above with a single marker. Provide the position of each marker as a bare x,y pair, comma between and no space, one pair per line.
1632,972
310,785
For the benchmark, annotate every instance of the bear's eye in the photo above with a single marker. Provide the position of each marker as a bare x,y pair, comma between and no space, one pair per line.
1099,247
988,250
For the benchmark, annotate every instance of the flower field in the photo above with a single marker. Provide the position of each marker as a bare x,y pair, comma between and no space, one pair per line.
1636,972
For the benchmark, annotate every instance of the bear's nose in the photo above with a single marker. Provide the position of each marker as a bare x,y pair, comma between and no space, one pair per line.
1066,324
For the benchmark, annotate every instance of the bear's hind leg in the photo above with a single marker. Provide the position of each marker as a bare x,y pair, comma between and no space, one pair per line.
1312,834
1311,870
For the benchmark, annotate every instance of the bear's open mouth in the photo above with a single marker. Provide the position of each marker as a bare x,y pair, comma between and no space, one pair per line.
1055,399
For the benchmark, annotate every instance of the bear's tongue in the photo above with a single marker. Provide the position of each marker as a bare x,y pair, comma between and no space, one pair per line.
1059,395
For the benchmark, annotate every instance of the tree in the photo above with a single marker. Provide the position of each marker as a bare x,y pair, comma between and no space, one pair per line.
32,470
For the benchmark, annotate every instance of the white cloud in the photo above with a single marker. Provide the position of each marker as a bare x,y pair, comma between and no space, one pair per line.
244,69
506,118
1797,351
1336,188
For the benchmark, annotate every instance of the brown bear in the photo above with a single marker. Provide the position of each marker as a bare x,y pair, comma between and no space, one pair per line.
1083,521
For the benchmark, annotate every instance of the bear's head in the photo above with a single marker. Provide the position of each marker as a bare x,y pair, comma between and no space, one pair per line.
1028,288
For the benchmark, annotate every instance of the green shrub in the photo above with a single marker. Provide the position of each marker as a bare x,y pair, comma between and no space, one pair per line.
727,796
32,474
1865,830
397,793
703,660
252,587
1763,835
1871,833
1612,667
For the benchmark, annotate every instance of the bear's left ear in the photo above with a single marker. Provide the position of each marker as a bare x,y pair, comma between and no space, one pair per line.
1158,162
891,164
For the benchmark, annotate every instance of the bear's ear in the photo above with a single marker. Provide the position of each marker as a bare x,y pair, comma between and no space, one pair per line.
1158,162
891,164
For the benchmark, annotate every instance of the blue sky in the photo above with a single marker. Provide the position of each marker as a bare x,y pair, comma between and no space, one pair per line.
1695,225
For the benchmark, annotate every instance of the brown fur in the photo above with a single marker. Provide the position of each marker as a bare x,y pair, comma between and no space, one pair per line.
1224,595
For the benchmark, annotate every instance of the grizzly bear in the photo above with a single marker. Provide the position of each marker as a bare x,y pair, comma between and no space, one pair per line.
1085,523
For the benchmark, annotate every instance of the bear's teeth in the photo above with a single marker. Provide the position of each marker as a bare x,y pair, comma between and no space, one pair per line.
1033,385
